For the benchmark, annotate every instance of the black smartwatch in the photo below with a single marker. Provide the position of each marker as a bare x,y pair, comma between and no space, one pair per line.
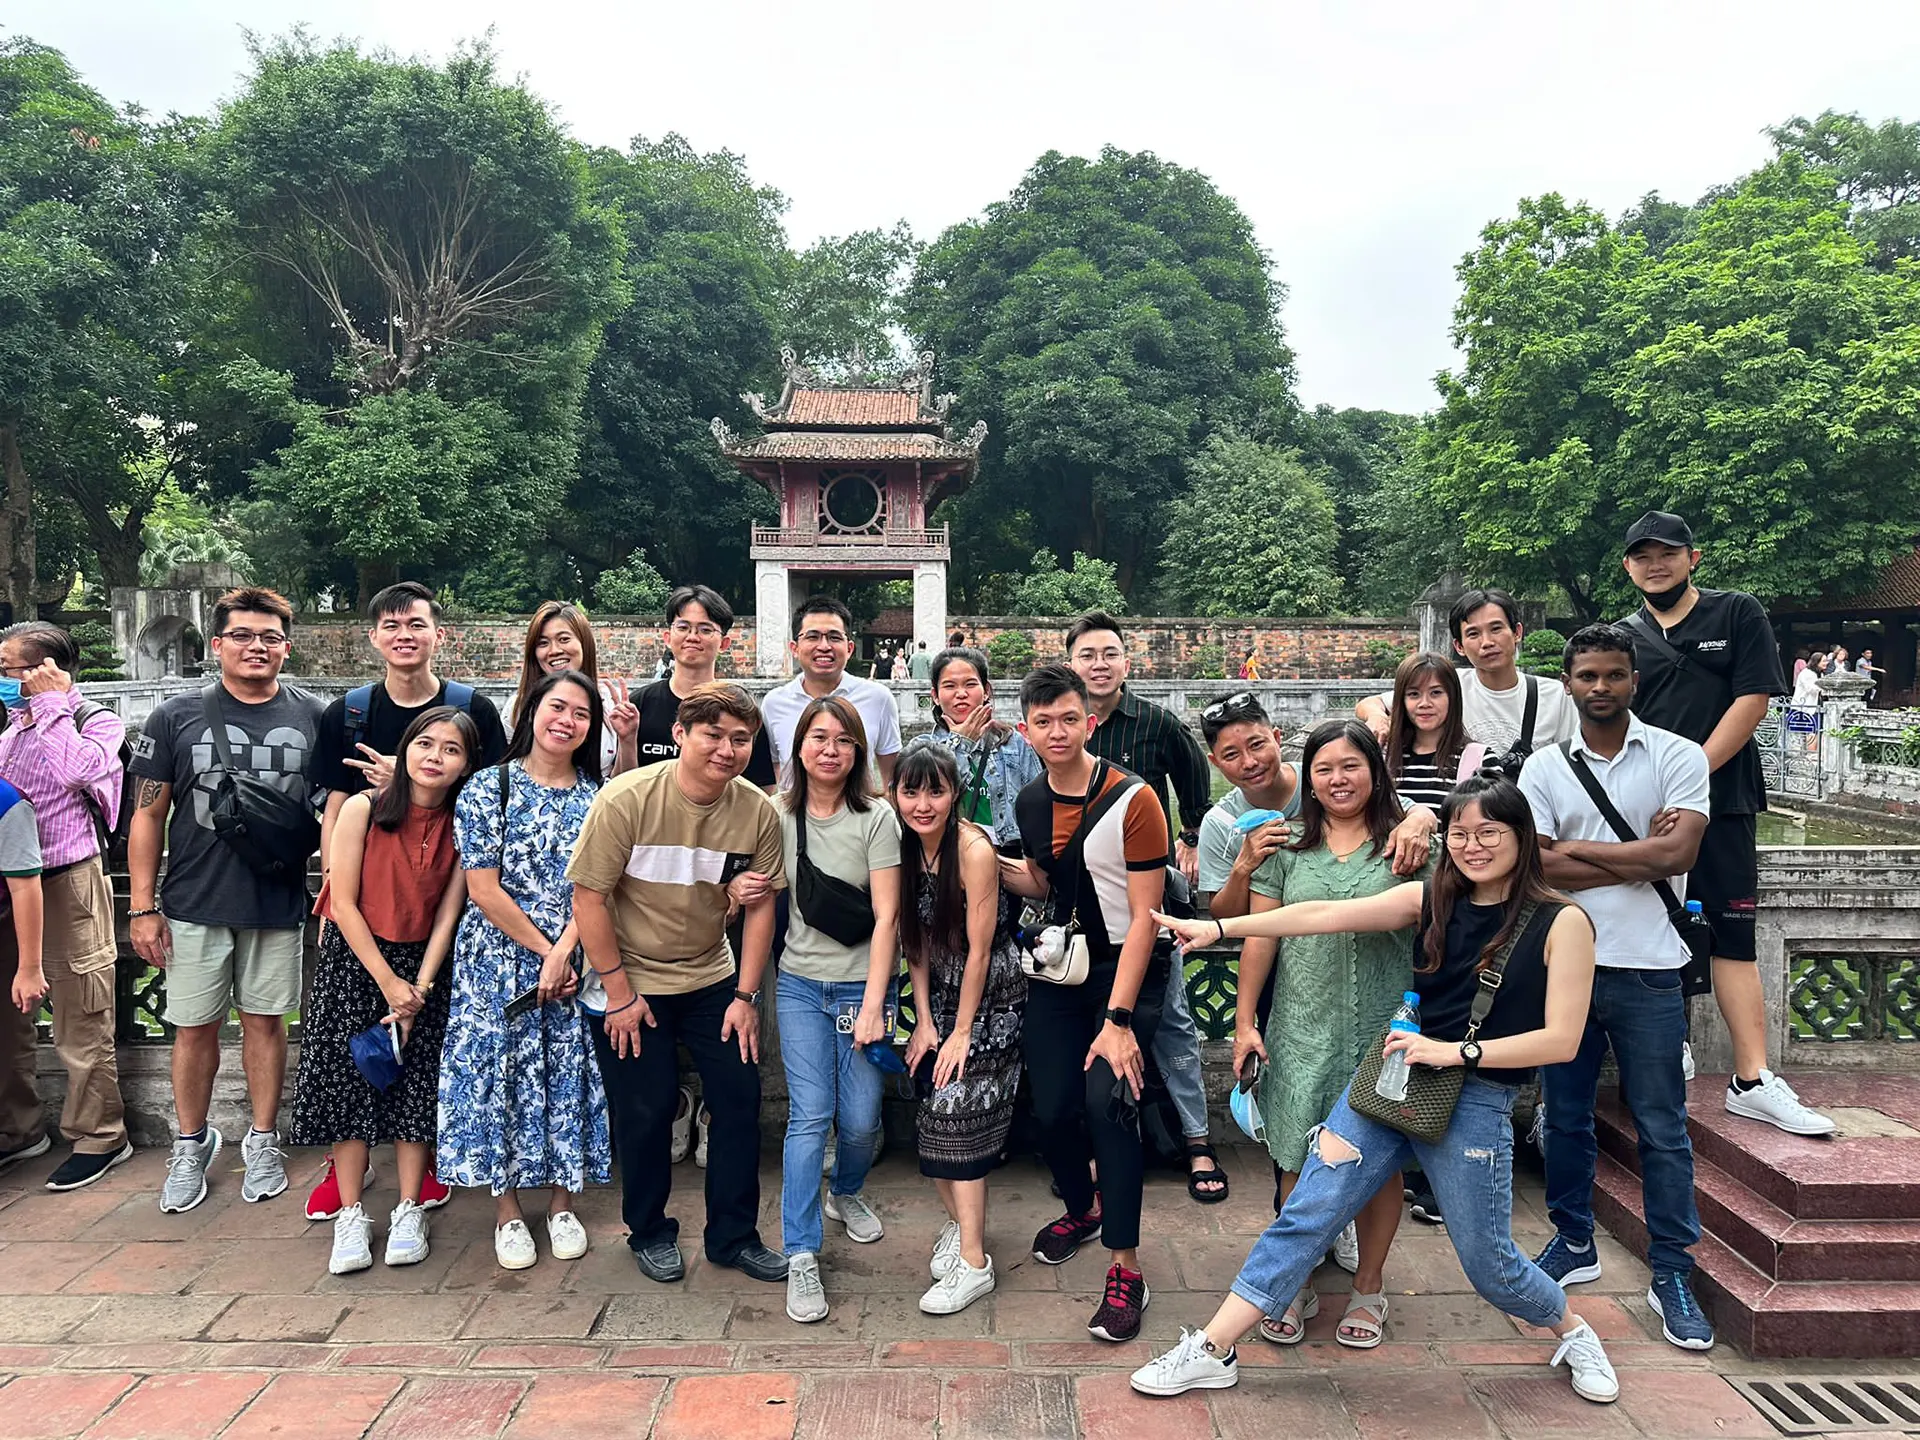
1470,1055
752,997
1121,1017
1190,838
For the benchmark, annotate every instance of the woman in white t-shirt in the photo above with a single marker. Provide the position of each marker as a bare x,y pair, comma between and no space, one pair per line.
559,638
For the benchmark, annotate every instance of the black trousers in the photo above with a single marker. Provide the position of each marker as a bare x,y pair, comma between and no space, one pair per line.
642,1093
1081,1114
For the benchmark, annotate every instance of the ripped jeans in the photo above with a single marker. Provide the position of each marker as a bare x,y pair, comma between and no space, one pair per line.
1471,1171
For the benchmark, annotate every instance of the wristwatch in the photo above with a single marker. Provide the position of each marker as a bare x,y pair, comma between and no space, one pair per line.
1470,1055
752,997
1123,1018
1190,838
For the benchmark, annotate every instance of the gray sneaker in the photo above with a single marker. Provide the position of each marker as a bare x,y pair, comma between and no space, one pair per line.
266,1162
806,1297
186,1182
853,1211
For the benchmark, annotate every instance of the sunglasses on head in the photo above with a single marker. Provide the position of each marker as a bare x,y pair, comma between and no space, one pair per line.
1241,703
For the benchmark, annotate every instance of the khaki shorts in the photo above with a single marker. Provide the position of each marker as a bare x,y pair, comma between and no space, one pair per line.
215,968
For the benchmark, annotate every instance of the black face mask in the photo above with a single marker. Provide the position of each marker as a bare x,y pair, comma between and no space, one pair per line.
1664,600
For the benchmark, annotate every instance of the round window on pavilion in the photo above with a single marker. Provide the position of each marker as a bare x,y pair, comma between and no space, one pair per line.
852,502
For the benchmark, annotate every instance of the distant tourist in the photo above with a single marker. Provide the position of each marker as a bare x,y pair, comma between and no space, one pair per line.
228,934
1868,671
560,638
62,752
900,670
822,646
698,623
994,758
921,665
1638,1011
1708,666
1250,667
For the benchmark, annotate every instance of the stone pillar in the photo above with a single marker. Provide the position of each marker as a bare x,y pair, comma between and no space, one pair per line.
773,617
1431,609
930,604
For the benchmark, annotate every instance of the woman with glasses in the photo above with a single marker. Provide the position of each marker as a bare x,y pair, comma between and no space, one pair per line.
560,639
1488,890
1333,994
994,759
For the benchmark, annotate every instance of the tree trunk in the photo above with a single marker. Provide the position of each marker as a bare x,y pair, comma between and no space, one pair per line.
16,531
373,576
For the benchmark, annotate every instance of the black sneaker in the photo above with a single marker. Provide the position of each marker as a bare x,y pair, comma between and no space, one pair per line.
77,1169
1061,1241
1118,1318
26,1150
1423,1207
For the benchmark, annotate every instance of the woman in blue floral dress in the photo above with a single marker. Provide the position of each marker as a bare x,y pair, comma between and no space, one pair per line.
521,1104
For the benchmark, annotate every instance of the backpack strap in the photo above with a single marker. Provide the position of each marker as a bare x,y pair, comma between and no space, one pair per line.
1532,711
460,697
359,704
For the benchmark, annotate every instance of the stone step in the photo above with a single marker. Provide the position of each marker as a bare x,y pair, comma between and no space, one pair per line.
1763,1316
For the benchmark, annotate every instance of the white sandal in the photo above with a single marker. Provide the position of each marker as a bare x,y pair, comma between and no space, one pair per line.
1372,1324
1291,1327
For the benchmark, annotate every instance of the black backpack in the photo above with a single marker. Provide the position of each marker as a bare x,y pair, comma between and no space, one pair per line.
111,833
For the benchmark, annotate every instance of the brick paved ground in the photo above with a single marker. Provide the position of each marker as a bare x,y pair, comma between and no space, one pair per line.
118,1321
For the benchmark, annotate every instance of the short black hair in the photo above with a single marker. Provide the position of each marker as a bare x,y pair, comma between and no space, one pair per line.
707,598
1479,599
1598,639
822,605
48,640
1050,683
1088,623
401,597
1252,712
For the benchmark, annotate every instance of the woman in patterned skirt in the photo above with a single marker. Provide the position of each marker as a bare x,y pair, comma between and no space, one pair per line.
971,996
521,1104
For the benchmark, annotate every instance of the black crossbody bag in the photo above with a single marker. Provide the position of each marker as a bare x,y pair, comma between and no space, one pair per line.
841,912
1511,762
272,832
1696,976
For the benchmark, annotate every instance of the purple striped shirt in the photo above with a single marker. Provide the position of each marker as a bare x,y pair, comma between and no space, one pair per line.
54,762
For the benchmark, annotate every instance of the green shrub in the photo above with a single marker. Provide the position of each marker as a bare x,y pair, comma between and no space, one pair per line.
1208,662
633,588
98,659
1540,651
1382,657
1011,654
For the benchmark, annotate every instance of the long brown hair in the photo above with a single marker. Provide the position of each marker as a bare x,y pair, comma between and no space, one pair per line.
1401,732
931,767
1500,802
530,668
1383,805
858,792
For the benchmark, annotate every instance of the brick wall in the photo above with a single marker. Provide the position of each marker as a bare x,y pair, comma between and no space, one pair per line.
489,647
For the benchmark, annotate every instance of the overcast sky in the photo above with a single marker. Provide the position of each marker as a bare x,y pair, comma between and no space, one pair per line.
1368,142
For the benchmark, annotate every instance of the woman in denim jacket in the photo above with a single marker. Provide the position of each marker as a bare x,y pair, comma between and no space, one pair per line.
995,760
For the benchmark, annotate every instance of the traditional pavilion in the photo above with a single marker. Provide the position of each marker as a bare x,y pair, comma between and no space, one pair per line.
857,467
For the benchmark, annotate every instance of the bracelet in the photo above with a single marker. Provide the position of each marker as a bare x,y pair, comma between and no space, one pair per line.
1221,925
628,1006
142,914
608,971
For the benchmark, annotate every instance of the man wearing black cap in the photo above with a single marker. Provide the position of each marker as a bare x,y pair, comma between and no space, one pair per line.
1708,663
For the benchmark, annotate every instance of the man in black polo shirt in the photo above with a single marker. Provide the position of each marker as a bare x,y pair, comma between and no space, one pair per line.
1708,664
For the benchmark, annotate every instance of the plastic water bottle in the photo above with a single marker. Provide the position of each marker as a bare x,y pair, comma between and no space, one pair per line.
1392,1084
1694,908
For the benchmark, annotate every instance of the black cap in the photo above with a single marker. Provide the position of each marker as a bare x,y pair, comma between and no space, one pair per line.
1660,526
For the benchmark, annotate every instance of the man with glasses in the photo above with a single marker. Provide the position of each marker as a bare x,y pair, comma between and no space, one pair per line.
1656,781
822,646
227,936
1153,743
698,623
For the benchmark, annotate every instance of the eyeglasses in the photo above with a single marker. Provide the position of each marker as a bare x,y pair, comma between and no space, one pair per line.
822,637
272,639
1487,837
1240,703
684,628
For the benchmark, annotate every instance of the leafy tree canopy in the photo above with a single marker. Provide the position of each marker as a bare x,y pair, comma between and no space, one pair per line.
1088,585
632,588
1254,535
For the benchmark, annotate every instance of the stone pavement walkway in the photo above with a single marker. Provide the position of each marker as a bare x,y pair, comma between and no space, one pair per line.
118,1321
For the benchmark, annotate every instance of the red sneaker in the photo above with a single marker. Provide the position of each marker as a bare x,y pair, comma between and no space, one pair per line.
433,1192
323,1202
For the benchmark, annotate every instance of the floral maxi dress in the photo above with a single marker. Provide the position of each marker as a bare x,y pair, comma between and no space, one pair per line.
521,1103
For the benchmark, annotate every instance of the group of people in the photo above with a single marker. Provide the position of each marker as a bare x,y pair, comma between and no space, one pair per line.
525,921
1811,666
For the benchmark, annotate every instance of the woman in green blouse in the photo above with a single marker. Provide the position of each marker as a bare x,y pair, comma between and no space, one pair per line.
1333,995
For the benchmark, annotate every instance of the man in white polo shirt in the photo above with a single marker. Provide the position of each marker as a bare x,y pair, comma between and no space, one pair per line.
1657,782
822,646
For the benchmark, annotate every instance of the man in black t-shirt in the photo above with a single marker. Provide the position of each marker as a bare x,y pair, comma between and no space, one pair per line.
1708,664
698,620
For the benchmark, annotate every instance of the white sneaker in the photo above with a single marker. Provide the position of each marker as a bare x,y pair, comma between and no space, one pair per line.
682,1126
1346,1250
1773,1101
1190,1365
702,1122
1686,1060
1593,1377
513,1246
853,1211
566,1236
958,1288
407,1235
946,1250
806,1296
352,1242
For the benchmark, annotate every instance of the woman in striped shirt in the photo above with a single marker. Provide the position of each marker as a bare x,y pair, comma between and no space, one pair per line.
1425,737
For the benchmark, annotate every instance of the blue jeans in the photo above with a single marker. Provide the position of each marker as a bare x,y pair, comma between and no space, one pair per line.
1471,1170
1640,1014
1176,1050
827,1079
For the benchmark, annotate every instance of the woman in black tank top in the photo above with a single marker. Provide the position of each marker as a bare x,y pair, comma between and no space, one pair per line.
1490,879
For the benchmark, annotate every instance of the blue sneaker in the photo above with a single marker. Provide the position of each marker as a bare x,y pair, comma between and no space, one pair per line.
1567,1265
1680,1318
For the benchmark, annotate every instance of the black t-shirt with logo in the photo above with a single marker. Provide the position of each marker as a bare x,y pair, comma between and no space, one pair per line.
658,708
1727,648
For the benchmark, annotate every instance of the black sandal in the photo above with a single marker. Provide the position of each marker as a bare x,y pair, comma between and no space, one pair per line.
1216,1177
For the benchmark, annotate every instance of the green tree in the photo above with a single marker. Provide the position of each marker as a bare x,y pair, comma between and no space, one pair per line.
1103,320
434,228
842,294
1877,168
181,530
1048,590
1254,535
633,587
98,659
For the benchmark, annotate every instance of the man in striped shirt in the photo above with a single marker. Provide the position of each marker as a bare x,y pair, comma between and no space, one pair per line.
63,754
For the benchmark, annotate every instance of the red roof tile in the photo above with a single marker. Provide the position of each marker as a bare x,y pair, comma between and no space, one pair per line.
842,445
1898,588
853,407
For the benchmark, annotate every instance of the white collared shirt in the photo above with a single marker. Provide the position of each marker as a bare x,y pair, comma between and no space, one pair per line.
1655,770
782,706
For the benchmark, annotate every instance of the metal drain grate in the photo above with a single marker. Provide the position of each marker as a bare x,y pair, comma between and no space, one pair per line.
1835,1404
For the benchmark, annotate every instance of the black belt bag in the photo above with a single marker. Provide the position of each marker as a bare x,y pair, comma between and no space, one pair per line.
272,832
841,912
